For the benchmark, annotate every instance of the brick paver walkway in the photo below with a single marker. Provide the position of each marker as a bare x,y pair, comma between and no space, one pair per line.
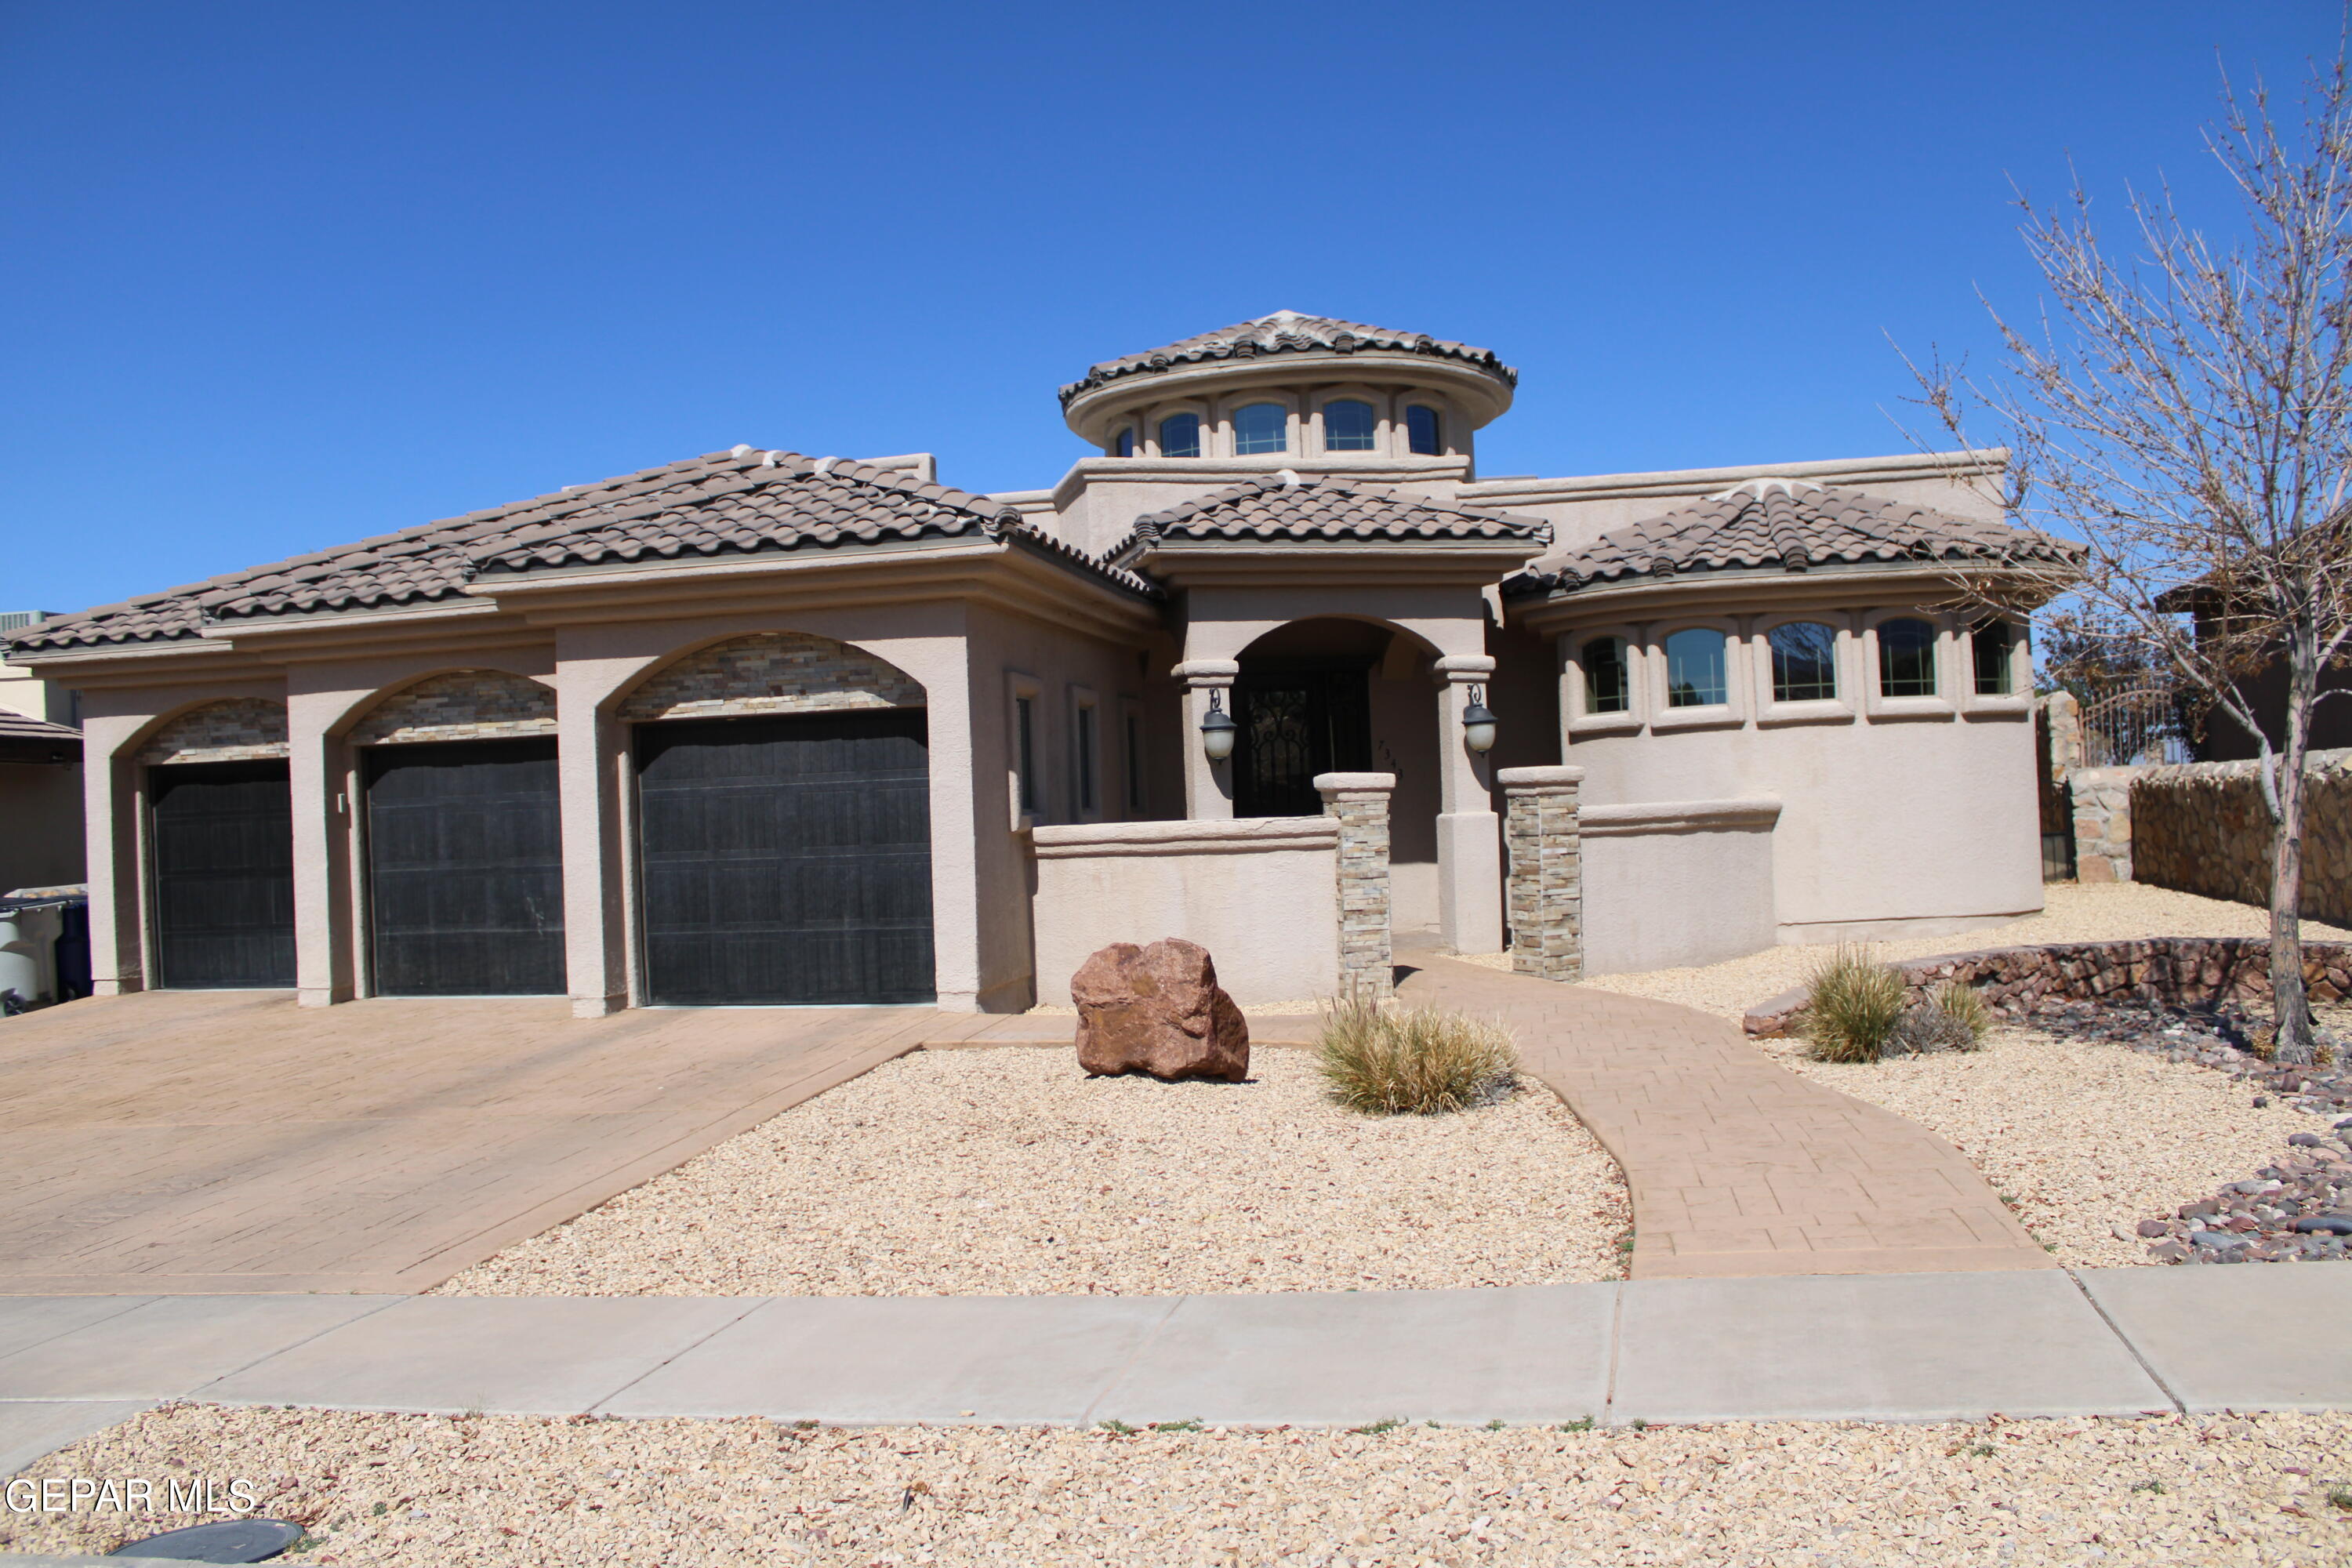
1739,1166
184,1142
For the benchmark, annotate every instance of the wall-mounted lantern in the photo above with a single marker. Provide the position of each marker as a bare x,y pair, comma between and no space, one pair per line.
1218,729
1478,723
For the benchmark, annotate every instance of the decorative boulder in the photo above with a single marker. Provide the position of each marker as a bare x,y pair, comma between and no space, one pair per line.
1158,1010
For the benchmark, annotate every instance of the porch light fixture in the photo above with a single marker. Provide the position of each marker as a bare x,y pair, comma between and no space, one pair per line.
1478,723
1218,729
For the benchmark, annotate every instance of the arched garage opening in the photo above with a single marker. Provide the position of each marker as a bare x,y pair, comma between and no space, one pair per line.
464,839
783,826
220,847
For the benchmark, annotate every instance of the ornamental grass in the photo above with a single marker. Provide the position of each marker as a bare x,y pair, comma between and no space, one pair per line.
1416,1062
1855,1005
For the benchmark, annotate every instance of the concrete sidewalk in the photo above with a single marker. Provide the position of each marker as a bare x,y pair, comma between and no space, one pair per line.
1913,1347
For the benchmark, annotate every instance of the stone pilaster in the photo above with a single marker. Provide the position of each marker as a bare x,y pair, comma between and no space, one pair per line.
1361,802
1547,877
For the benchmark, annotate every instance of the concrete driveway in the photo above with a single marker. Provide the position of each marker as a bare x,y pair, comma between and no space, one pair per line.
203,1142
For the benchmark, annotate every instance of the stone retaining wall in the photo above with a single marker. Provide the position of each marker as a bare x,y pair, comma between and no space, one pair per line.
2180,970
2202,829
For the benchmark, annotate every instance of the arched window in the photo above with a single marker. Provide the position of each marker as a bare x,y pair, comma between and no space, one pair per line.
1123,444
1180,436
1906,658
1990,644
1694,669
1804,662
1606,687
1347,427
1423,432
1261,428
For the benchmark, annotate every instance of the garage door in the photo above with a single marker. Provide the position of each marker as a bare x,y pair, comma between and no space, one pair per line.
465,860
786,860
224,875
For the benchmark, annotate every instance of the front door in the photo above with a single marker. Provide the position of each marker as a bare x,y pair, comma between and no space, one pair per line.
1297,717
786,860
465,855
223,837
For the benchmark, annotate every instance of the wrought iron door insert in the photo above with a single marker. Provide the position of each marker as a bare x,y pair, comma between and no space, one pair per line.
1298,718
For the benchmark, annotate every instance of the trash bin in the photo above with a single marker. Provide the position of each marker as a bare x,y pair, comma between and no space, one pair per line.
44,947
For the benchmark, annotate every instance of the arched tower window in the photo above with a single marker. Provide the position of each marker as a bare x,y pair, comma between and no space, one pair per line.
1261,428
1123,444
1423,431
1906,658
1180,436
1348,426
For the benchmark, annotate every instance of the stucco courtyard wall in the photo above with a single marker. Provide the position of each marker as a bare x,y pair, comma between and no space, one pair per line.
1260,893
2202,827
1677,884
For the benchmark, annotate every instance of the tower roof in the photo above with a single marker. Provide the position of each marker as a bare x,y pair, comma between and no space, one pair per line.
1283,332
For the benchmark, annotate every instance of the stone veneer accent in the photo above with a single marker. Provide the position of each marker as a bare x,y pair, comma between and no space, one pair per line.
2202,827
1546,887
1360,803
464,705
233,730
772,672
2183,970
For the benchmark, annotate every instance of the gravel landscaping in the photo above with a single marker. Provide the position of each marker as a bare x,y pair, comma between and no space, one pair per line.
1010,1173
409,1491
2116,1133
2111,911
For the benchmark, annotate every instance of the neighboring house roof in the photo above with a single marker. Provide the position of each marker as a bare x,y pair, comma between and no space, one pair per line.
1286,331
1787,523
744,502
28,740
1289,509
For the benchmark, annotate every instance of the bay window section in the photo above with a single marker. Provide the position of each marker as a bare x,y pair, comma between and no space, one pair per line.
1694,669
1906,658
1804,662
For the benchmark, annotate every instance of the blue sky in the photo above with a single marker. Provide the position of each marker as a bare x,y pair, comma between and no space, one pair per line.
282,276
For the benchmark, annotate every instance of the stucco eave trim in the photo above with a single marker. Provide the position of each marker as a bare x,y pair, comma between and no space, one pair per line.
1234,836
97,653
292,623
1679,817
1621,597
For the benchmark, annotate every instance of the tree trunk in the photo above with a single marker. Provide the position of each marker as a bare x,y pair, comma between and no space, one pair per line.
2290,1005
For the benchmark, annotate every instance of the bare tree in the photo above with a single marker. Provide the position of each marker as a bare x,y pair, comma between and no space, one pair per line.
2185,411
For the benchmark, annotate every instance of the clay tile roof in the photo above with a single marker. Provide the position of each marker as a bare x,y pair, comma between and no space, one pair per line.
1791,524
736,502
1311,512
28,740
1286,331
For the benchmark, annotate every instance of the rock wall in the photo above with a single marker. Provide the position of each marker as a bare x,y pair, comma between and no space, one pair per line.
2181,969
2202,829
1363,868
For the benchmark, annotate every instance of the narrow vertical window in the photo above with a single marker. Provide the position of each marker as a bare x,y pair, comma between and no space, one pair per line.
1134,764
1261,428
1804,662
1990,643
1422,433
1086,770
1906,658
1123,445
1025,756
1606,689
1694,669
1348,426
1180,436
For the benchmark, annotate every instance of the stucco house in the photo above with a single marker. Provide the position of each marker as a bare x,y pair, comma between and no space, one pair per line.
1267,670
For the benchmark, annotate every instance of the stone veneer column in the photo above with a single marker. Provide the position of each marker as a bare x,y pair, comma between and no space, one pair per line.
1208,786
1547,877
1469,847
1361,802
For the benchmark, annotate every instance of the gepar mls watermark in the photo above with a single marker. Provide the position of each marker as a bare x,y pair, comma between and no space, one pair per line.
135,1494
